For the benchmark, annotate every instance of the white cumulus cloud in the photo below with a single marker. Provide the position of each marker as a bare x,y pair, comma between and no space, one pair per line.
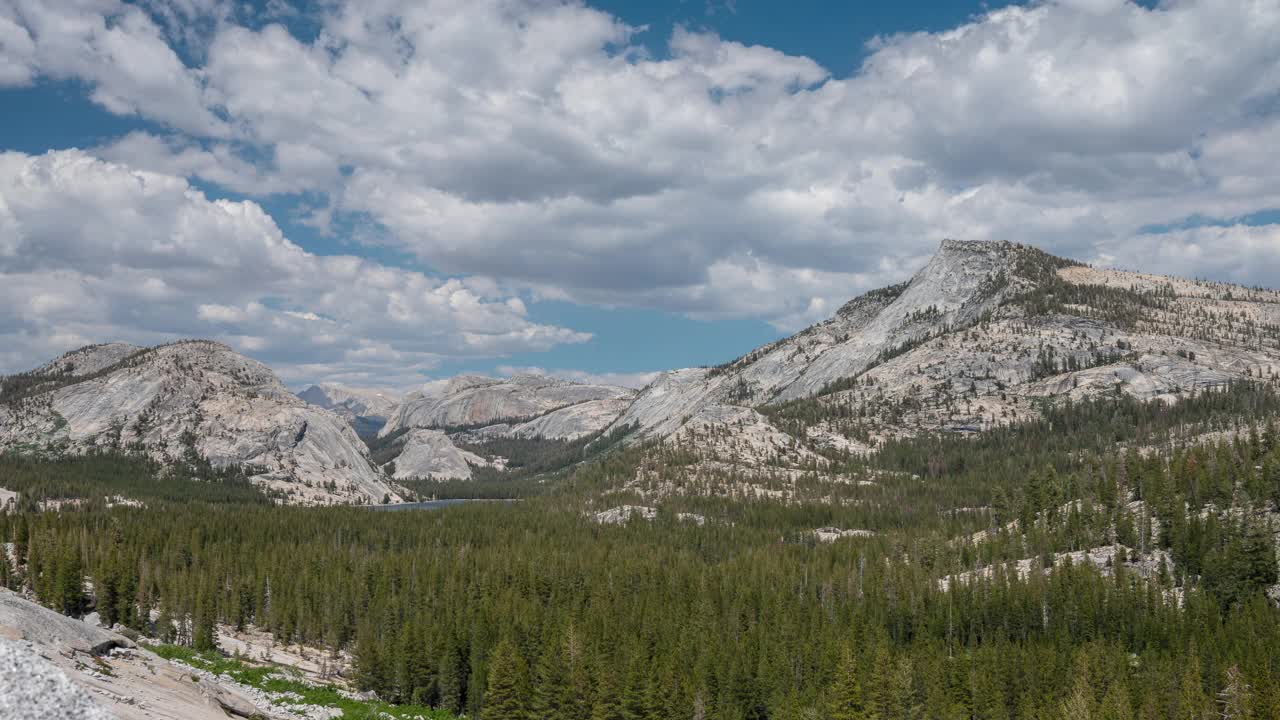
97,250
538,146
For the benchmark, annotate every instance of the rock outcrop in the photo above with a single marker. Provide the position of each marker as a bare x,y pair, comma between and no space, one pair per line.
431,454
53,667
574,421
33,688
473,408
978,337
472,401
191,397
983,335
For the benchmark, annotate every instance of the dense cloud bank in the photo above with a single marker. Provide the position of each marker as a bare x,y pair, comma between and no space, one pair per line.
539,150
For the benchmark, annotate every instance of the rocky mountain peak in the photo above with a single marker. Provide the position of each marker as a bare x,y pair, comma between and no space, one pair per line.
978,337
459,383
192,396
478,409
982,335
470,401
88,359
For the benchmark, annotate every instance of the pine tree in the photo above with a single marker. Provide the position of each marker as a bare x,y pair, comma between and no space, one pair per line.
106,590
902,692
549,698
453,672
372,665
1192,704
1116,705
6,578
579,684
126,596
69,595
880,696
635,694
1078,705
845,699
504,697
607,704
204,631
22,537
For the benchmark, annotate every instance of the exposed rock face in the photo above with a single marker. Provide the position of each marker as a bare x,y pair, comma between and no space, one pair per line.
622,514
33,688
832,534
24,620
351,404
971,341
979,337
430,454
200,397
575,421
473,401
479,408
963,281
89,359
954,289
54,667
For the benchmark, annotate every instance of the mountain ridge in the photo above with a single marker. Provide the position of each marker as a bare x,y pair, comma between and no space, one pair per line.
974,340
978,338
193,397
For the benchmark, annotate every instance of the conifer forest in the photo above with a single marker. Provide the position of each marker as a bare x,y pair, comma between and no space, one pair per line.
1108,560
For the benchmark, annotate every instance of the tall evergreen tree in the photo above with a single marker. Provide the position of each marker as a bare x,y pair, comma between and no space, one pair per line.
845,698
204,630
550,697
607,704
1192,703
504,697
1078,705
1116,705
453,672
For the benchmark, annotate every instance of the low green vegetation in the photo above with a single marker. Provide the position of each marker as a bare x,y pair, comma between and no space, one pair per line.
283,680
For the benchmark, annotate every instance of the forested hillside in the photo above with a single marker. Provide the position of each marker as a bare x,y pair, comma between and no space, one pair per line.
1111,559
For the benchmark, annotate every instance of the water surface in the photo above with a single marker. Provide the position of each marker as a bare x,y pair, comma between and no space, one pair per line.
434,504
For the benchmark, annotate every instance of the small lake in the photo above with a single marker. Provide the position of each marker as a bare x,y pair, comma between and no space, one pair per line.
435,504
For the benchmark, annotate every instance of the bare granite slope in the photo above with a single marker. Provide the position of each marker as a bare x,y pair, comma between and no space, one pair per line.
192,397
981,336
53,667
959,284
477,408
431,454
975,339
476,401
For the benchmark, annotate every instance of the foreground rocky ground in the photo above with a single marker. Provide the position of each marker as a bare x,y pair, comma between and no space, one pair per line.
53,666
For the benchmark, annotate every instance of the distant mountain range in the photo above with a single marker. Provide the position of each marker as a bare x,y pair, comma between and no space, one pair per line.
367,409
980,337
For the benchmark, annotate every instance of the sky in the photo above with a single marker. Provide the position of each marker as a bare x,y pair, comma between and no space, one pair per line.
386,192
